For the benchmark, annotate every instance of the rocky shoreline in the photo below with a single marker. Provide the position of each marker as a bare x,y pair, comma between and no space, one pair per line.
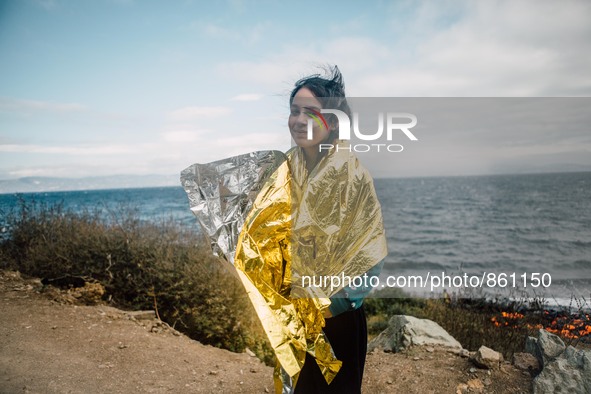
554,366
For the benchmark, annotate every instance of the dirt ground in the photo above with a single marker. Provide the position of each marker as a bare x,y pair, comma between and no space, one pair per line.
48,344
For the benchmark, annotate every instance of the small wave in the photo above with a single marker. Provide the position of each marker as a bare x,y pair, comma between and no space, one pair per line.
433,241
577,269
581,244
413,266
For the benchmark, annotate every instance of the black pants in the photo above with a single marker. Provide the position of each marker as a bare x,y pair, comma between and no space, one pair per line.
347,334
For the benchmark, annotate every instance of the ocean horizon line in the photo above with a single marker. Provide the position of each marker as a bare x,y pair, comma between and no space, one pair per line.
31,181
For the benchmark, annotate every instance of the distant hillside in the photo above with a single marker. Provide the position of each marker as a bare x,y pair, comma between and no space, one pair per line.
43,184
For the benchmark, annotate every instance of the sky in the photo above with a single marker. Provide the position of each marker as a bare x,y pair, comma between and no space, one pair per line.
113,87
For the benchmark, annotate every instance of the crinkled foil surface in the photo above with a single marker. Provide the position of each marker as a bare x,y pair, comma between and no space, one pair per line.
222,193
337,228
244,205
274,222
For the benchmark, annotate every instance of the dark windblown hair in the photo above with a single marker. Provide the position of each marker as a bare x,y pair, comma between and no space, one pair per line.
330,91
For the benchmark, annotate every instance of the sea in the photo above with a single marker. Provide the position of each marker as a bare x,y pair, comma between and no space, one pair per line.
512,236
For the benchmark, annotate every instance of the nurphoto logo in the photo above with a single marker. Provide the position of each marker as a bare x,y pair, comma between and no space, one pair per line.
392,122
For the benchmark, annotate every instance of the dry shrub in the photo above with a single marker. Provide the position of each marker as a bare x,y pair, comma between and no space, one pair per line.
142,265
471,322
468,320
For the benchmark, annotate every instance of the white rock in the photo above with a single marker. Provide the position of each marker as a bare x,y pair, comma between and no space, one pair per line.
487,358
405,331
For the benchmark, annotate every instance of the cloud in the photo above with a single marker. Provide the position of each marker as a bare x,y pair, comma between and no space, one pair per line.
48,171
499,48
222,147
213,30
94,150
277,72
248,35
524,50
182,136
18,105
192,113
247,97
405,48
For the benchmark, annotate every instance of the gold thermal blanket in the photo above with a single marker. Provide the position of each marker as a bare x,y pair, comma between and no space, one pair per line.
275,223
